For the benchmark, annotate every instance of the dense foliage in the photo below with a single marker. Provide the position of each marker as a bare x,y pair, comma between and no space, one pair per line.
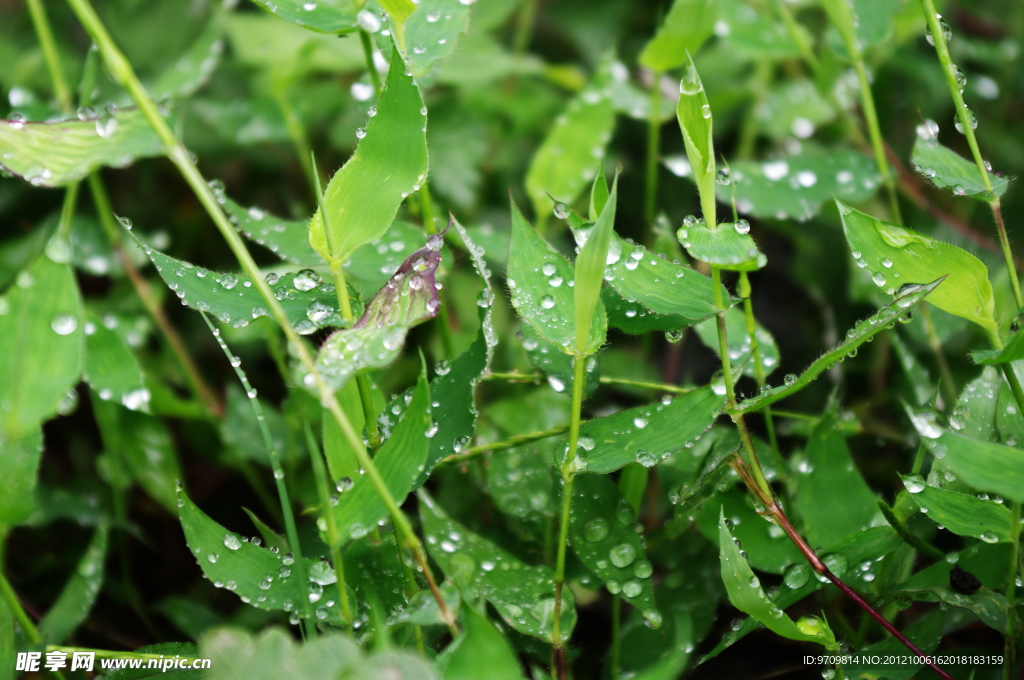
507,339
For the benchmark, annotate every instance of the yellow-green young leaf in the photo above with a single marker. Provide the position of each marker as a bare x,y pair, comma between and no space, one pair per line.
432,32
53,154
896,256
590,264
325,16
727,246
400,461
399,11
949,170
481,652
599,194
538,278
41,342
79,594
688,24
694,115
569,157
747,595
963,514
111,368
389,164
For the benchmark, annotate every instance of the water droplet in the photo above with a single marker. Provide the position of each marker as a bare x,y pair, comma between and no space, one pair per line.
596,530
971,118
232,542
790,378
646,458
643,569
560,211
64,324
742,227
673,336
723,178
796,575
914,483
632,588
547,302
306,280
622,555
878,278
705,111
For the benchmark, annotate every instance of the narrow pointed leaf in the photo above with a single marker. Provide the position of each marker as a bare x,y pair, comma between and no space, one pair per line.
409,298
694,115
949,170
288,239
589,270
726,247
259,577
389,163
962,514
41,342
747,595
270,537
400,461
688,24
741,349
598,194
896,256
111,368
79,594
647,434
325,16
986,466
432,32
523,595
54,154
371,265
602,535
855,337
481,652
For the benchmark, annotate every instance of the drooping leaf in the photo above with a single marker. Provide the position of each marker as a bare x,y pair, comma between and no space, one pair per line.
389,163
79,593
949,170
768,548
54,154
549,357
960,513
728,246
400,461
747,595
408,298
141,443
855,337
694,115
741,348
432,32
687,25
258,576
896,256
568,158
832,496
986,466
523,595
288,239
324,16
798,185
602,535
538,278
111,368
41,342
480,652
589,270
647,434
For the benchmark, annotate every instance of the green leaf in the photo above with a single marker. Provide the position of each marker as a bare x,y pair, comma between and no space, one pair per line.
727,246
16,253
1012,351
989,606
975,412
111,368
589,270
371,265
481,651
258,41
694,115
568,158
523,595
399,11
746,594
376,339
41,342
521,483
240,429
400,461
599,194
755,32
274,653
798,185
273,539
389,163
855,337
686,27
986,466
432,32
915,372
341,458
925,633
658,655
258,576
740,346
768,548
832,495
288,239
19,465
949,170
54,154
324,16
896,256
538,278
194,68
960,513
647,434
233,299
602,535
549,357
796,108
79,594
142,444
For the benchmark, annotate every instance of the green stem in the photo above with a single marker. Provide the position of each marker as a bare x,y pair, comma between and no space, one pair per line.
751,325
797,33
568,474
616,645
1011,591
275,465
333,540
50,56
761,82
653,147
940,356
427,204
510,443
659,387
875,133
367,41
14,605
931,18
296,130
524,26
